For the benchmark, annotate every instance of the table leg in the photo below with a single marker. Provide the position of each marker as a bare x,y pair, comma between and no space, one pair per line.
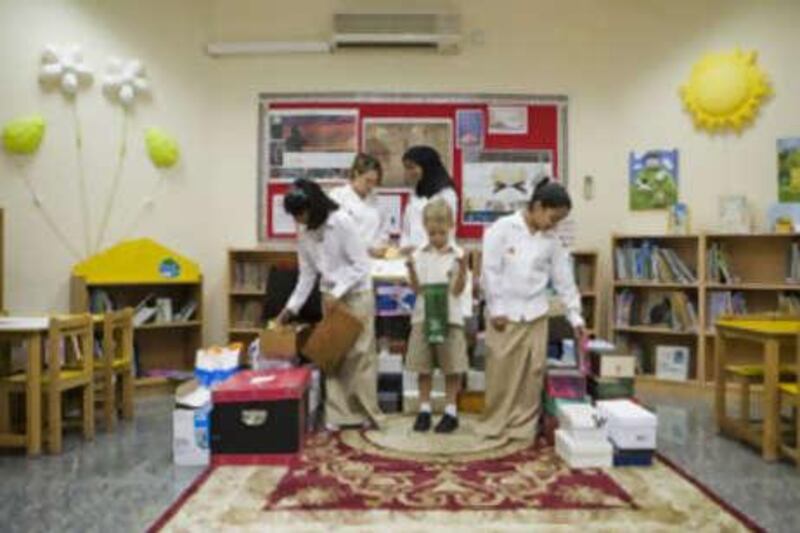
771,407
33,395
719,379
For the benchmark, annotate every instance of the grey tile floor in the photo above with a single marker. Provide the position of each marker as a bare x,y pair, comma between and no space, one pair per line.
122,481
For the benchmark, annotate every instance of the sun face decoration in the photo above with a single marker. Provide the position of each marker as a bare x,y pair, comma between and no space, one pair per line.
725,90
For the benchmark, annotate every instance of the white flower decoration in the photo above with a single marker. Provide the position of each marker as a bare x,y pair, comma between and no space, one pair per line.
124,80
63,66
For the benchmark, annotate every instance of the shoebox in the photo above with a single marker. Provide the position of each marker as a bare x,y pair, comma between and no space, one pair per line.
610,388
630,426
633,457
476,380
565,383
606,365
190,421
390,392
551,404
470,401
582,422
390,363
259,417
583,454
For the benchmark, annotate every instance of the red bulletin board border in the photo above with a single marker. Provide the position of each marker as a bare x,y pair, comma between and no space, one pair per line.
546,131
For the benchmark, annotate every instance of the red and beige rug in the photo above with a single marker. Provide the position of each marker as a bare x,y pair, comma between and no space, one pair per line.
395,480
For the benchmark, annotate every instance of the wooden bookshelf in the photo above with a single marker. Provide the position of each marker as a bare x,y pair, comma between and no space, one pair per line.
758,263
248,269
160,345
2,260
587,277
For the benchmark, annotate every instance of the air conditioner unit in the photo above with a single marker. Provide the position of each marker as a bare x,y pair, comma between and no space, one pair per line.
431,29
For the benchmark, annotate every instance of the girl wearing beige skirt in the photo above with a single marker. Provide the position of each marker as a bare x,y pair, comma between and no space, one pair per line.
521,256
329,245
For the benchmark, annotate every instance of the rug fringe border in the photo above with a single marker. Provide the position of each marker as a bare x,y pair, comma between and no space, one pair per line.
187,493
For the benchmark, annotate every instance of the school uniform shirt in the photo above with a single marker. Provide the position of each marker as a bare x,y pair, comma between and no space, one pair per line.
517,266
413,232
371,221
336,252
441,266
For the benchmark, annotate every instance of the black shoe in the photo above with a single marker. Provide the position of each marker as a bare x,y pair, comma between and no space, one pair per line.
423,422
447,424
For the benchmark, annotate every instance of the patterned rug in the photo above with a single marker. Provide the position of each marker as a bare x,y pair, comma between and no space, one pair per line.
365,481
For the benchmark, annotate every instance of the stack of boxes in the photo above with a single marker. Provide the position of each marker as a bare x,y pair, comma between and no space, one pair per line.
631,431
581,439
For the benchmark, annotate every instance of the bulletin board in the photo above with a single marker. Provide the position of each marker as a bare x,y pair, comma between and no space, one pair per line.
495,146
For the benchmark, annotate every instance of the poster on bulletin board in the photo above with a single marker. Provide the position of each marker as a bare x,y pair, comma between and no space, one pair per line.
496,148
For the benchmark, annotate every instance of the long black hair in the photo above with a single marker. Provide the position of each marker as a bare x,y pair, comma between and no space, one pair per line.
434,176
550,194
307,196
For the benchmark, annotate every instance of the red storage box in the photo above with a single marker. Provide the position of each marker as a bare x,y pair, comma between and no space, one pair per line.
259,417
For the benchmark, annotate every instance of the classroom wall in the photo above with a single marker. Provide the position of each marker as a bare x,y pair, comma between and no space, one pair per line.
619,61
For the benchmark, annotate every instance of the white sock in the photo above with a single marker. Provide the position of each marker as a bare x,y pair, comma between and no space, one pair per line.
425,407
450,409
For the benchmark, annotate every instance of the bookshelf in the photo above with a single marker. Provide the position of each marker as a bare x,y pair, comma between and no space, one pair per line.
587,278
139,273
755,281
2,260
248,269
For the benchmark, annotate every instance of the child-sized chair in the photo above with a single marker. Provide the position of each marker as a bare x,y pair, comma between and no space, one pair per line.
790,396
115,366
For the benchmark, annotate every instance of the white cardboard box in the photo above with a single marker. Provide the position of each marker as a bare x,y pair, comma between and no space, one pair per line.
390,363
190,435
580,454
630,426
582,422
476,380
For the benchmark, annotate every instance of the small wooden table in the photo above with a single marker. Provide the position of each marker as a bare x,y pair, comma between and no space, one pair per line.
770,333
30,330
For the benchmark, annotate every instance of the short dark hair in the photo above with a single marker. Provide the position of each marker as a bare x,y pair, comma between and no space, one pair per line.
434,176
364,163
307,196
550,194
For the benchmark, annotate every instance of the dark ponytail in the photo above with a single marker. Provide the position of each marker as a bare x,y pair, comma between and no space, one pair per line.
307,196
551,195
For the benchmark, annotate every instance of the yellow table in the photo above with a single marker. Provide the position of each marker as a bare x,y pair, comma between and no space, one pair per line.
770,333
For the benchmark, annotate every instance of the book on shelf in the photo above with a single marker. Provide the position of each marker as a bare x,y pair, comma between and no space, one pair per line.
164,310
793,263
718,265
144,314
100,301
724,303
650,262
668,309
583,276
187,311
250,276
789,304
249,315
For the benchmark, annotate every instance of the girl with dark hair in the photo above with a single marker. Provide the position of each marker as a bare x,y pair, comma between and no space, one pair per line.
330,245
426,172
360,201
521,256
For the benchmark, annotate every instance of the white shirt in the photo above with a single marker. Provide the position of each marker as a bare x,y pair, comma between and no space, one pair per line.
336,251
372,223
441,266
517,266
414,234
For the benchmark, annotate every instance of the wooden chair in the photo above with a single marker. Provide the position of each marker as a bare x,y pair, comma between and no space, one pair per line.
70,338
115,366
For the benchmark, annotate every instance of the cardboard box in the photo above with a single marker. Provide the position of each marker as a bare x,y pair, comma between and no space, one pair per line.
611,388
279,342
582,422
633,457
630,426
551,405
583,454
471,401
613,365
565,383
476,380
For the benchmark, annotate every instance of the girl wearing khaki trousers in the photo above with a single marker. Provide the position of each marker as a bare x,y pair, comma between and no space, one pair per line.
521,255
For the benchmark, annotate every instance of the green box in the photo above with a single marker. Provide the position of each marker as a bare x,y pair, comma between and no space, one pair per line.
610,388
551,404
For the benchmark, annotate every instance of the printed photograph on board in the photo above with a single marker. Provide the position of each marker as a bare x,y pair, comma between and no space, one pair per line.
653,179
789,170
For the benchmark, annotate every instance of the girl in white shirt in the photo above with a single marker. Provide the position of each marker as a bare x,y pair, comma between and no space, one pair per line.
425,171
521,255
329,244
360,201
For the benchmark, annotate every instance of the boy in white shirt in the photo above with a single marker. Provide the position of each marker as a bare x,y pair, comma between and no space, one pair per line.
438,262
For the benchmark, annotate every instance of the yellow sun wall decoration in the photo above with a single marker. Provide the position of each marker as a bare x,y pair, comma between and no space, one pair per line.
725,90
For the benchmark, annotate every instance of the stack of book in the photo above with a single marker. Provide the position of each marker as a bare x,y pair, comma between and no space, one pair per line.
612,375
250,276
670,309
650,262
726,303
793,263
631,430
582,438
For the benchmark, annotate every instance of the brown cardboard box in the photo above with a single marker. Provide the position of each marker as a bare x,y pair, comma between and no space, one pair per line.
332,339
279,342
